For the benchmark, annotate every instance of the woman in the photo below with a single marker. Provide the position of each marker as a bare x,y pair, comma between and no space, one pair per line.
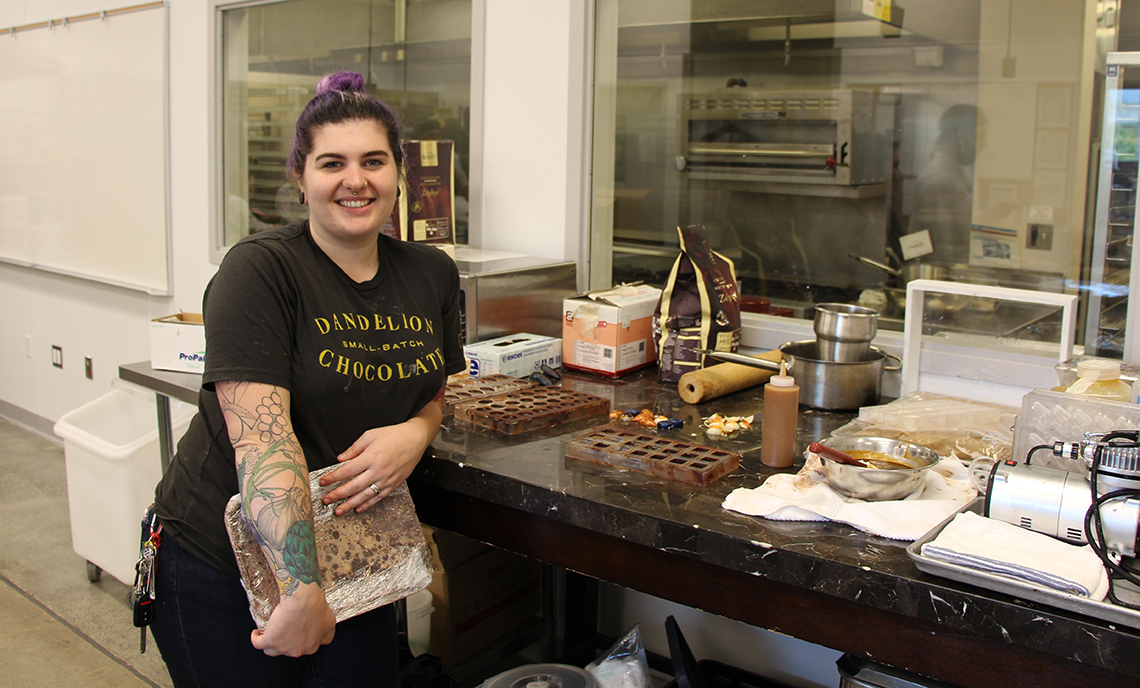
327,343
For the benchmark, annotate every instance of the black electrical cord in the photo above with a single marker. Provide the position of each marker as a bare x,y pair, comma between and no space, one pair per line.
1093,518
1029,456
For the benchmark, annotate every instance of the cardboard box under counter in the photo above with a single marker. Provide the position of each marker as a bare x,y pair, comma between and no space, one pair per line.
610,332
178,343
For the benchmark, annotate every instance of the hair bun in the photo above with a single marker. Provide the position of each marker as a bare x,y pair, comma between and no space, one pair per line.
341,81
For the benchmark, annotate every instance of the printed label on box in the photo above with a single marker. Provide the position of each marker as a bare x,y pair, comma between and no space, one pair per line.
633,353
594,355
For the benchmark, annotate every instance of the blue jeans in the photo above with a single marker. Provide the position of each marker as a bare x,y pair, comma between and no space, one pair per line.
202,626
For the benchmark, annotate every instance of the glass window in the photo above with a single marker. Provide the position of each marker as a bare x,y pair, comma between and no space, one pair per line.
837,149
414,54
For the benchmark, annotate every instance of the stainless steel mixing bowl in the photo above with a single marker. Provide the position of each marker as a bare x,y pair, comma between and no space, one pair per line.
878,484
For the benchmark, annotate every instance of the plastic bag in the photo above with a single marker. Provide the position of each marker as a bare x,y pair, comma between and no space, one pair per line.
624,665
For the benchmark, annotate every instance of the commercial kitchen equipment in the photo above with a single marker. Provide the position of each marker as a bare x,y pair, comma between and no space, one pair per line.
833,137
504,293
1101,508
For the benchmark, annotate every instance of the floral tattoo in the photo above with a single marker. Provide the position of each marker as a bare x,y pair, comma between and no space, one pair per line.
273,479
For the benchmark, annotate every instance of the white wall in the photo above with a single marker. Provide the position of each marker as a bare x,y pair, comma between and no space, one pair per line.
532,115
85,318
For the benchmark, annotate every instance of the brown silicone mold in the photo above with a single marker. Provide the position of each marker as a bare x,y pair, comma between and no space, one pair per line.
659,456
529,409
472,388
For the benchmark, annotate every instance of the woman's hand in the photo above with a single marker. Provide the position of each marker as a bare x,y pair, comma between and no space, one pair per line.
383,457
299,625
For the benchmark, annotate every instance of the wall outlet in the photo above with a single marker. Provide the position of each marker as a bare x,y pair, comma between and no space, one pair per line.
57,356
87,368
1039,236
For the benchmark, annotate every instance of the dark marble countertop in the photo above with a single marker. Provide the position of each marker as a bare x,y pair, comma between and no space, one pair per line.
531,475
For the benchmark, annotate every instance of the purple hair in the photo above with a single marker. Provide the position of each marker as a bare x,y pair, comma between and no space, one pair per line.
341,97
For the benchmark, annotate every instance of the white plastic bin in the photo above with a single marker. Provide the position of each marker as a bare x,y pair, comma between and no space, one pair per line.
419,609
113,464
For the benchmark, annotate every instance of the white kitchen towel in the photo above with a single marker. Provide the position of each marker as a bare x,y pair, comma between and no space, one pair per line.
806,496
983,544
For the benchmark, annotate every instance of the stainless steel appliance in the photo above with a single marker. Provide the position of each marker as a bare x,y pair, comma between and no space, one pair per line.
1065,504
833,137
501,294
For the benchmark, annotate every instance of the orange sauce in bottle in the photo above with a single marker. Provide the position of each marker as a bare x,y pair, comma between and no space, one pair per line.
780,419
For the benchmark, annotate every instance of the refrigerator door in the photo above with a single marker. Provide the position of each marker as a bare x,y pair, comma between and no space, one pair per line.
1110,329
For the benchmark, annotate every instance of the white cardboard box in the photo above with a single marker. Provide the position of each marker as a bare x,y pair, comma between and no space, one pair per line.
178,342
610,332
516,355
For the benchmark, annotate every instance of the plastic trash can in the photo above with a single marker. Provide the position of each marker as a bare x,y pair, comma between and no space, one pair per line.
113,463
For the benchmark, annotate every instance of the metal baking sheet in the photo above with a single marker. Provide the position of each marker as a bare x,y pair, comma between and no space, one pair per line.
1105,611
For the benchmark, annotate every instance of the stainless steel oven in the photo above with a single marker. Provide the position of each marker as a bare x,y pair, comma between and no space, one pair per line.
837,137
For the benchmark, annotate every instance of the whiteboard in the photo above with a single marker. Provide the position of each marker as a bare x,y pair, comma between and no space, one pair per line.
83,149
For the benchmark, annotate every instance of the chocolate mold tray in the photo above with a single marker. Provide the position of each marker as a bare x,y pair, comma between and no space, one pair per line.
658,456
471,388
528,409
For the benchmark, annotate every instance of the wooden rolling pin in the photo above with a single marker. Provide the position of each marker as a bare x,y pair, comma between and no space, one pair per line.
724,378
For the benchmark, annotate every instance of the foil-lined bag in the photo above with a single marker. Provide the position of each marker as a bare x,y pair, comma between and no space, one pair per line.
699,307
367,560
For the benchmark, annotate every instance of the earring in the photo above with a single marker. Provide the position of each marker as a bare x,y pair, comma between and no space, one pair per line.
397,192
302,198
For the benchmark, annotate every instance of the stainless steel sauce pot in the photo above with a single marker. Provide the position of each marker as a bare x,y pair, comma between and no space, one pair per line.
828,385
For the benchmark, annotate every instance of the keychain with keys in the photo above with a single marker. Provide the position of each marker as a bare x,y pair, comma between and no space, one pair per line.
142,596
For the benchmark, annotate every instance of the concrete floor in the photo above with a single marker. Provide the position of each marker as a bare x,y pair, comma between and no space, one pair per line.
56,627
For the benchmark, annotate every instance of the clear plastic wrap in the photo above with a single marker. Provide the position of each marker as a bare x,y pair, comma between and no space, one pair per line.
624,665
950,426
367,560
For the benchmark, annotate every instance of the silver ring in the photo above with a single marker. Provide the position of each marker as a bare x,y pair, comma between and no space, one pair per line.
375,490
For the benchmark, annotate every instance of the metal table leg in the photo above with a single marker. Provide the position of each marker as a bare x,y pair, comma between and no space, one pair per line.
165,439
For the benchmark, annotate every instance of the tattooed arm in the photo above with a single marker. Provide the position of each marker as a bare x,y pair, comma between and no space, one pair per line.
276,502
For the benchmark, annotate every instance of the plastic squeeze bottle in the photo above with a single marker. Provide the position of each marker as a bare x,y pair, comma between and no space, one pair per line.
1098,377
778,424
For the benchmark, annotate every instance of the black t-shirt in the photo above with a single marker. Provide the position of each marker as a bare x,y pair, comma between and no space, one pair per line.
353,356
